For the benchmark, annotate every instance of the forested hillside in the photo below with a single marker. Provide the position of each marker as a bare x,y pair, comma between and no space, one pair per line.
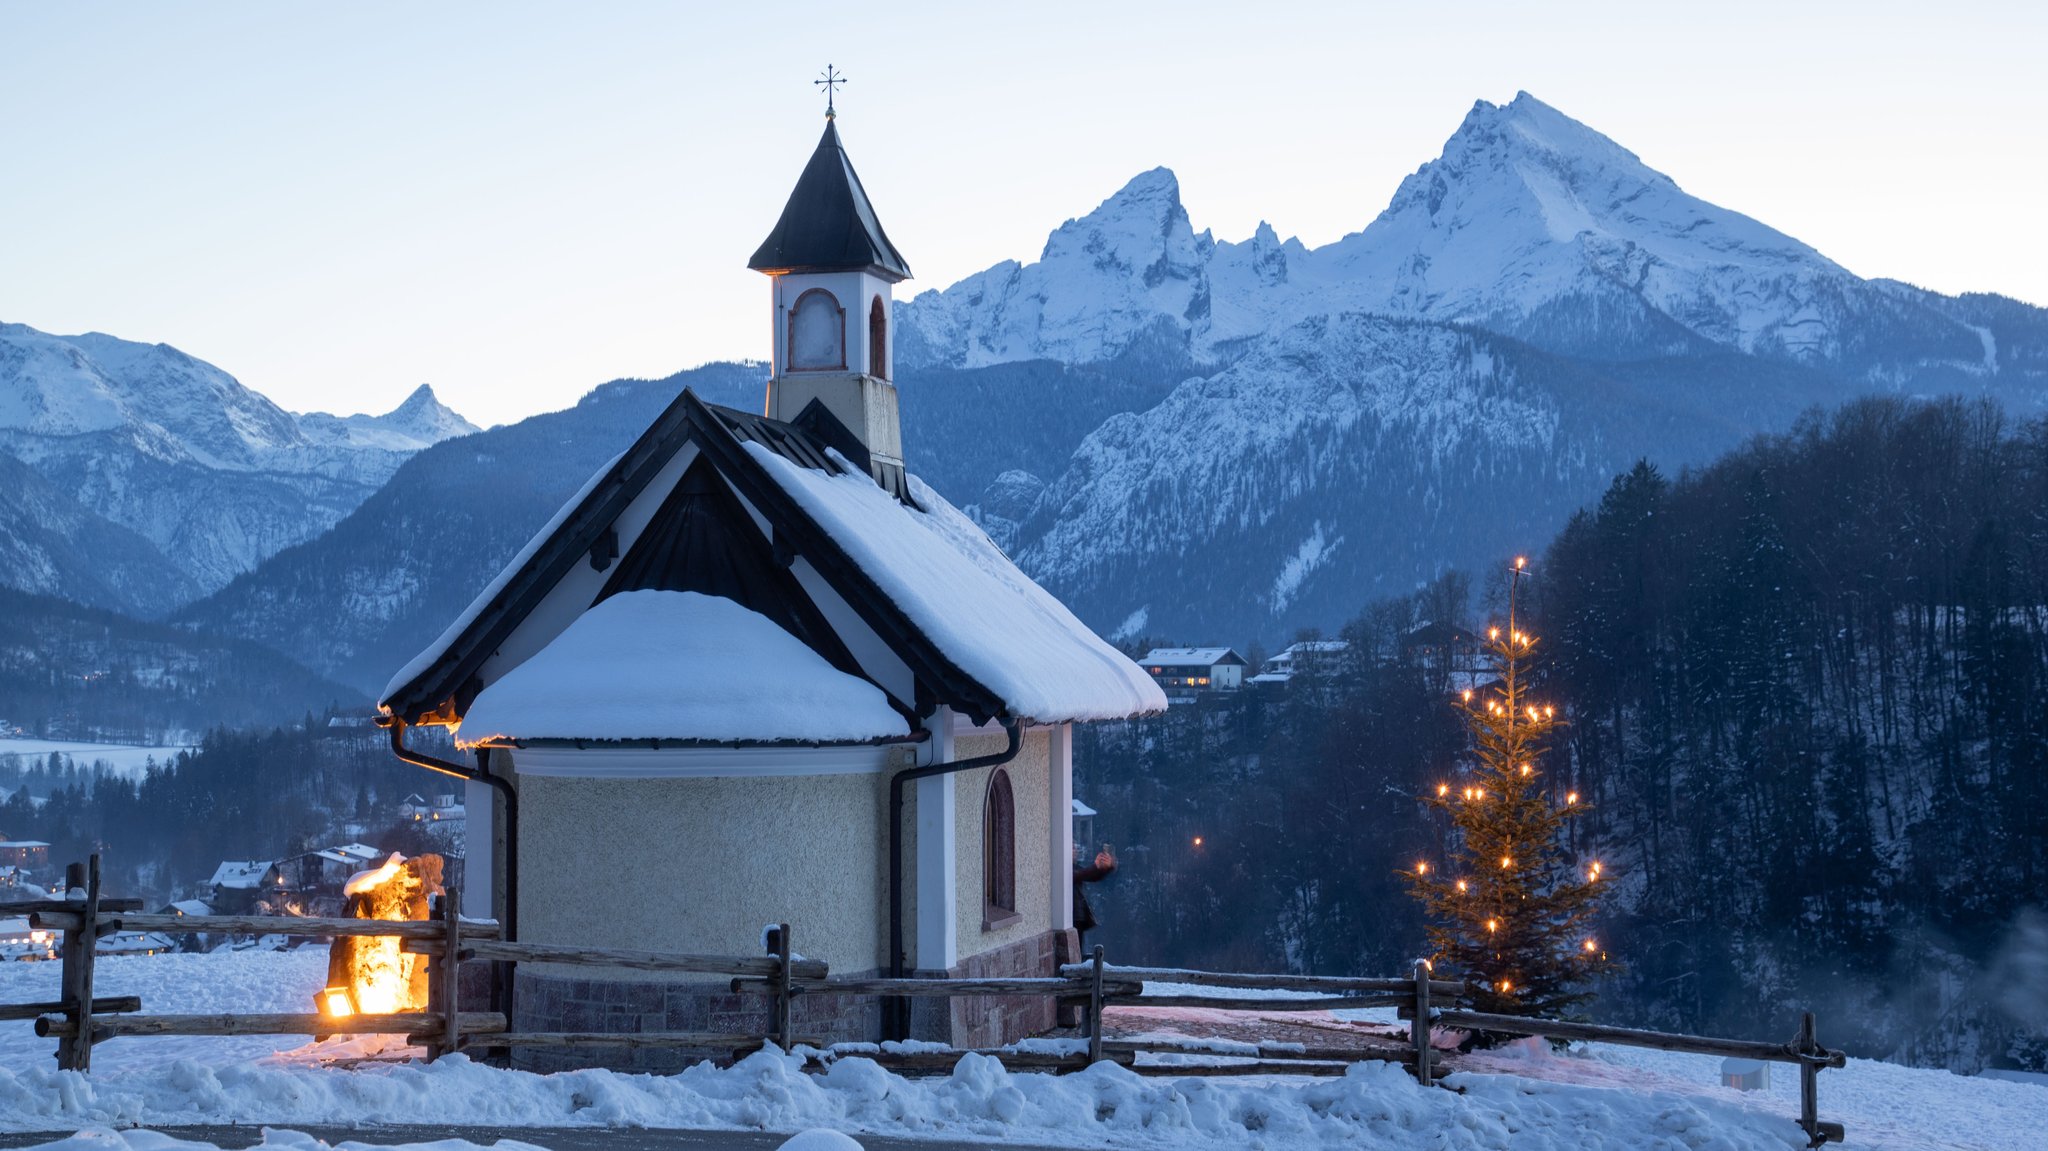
1808,699
78,672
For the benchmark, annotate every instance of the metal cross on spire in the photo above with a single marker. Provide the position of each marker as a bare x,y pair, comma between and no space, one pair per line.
831,79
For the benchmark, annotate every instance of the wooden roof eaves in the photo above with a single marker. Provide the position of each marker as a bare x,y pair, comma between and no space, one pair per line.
433,690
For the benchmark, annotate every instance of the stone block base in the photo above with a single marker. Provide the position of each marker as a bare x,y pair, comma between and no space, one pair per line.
993,1021
616,1006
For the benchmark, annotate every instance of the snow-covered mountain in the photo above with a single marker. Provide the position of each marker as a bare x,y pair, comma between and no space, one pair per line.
1535,308
170,448
1224,441
1530,224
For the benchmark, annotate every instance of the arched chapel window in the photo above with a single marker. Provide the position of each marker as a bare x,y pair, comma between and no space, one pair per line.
817,332
878,340
999,851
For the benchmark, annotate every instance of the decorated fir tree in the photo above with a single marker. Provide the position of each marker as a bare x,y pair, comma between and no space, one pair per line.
1509,908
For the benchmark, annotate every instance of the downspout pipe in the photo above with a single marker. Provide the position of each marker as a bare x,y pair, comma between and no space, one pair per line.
477,774
1015,731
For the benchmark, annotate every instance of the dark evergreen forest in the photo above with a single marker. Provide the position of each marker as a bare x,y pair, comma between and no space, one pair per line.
1807,692
254,794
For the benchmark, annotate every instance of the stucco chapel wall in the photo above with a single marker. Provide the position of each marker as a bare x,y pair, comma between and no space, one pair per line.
699,865
1030,784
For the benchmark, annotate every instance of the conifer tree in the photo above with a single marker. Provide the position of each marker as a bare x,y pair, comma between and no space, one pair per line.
1509,909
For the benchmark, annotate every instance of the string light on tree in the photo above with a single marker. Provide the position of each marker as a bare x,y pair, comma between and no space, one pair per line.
1508,907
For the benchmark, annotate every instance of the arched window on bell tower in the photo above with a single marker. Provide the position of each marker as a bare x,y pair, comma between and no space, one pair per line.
817,333
878,340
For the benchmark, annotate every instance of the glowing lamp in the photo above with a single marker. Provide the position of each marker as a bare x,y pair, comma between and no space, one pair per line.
1492,925
1521,562
1591,947
1570,797
335,1003
1461,885
1421,868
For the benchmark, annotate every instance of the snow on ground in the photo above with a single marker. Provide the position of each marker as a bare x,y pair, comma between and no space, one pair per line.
105,1139
242,981
125,758
1528,1097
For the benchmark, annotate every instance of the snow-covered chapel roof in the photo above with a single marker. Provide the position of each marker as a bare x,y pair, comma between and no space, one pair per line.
902,592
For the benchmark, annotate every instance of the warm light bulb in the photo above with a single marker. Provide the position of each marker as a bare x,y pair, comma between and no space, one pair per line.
1468,695
1198,841
1525,769
1493,633
1521,562
1591,947
1442,789
1570,797
1421,868
1492,925
1506,861
1461,885
1548,711
1506,986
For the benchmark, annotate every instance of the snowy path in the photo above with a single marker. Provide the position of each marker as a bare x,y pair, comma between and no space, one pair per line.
1601,1097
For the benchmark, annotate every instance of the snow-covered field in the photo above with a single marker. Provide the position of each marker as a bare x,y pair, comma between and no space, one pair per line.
1598,1097
125,758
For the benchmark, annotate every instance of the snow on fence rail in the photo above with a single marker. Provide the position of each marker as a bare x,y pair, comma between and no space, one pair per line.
79,1019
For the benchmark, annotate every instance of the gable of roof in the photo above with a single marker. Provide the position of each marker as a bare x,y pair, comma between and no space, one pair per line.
977,634
829,225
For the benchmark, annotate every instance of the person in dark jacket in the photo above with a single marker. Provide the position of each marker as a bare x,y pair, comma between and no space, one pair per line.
1084,915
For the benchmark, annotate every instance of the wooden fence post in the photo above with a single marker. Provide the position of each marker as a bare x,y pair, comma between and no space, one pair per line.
783,994
444,976
1418,1028
1095,1007
74,1051
1810,1054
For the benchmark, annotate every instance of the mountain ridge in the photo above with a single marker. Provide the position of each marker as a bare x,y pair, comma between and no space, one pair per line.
161,444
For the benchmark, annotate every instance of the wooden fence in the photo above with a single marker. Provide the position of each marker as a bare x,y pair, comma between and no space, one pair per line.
79,1019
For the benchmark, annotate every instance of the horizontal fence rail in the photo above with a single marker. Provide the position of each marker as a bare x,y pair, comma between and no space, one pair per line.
295,925
1634,1037
762,966
286,1023
103,1005
1326,984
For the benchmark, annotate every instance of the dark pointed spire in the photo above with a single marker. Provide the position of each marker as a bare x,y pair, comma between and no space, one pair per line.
828,224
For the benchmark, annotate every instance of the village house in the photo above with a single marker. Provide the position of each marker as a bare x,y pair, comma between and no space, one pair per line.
27,854
444,808
190,940
1303,657
237,885
18,940
1185,672
755,671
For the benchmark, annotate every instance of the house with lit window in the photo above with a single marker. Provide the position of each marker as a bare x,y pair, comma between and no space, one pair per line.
758,666
1185,672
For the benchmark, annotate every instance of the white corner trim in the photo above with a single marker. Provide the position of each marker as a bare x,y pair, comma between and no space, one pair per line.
696,762
937,946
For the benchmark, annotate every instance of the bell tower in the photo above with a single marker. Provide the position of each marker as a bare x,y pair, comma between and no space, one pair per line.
831,270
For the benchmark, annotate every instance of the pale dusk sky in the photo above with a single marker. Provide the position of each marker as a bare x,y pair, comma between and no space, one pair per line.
516,202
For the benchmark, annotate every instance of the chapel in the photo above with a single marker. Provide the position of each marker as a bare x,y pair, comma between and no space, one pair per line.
755,671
